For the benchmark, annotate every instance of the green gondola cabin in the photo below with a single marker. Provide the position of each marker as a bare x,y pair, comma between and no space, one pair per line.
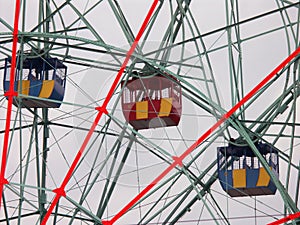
152,102
36,78
240,172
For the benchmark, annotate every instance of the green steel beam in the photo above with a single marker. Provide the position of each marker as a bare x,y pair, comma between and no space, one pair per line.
222,29
90,182
179,172
208,184
183,195
6,219
297,186
289,2
84,210
173,28
235,62
114,5
106,195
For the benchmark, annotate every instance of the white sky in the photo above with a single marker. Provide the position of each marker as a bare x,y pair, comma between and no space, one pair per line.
88,86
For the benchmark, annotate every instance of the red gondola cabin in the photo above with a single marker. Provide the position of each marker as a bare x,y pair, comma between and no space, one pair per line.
152,102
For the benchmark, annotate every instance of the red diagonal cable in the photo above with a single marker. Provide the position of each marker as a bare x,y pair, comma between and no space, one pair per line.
286,219
10,95
61,190
178,160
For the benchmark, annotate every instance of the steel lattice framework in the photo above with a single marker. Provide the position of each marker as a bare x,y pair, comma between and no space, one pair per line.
238,68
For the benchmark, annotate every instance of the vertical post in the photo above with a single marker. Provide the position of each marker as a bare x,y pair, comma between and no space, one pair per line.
20,71
44,7
45,150
235,60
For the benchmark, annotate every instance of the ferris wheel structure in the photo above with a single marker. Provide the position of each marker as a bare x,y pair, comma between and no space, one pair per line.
150,112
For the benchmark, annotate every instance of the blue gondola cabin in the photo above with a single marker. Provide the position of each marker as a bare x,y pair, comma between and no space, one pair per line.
240,172
37,80
152,102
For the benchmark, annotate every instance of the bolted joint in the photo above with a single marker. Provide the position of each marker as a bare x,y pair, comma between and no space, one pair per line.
11,94
60,192
3,181
102,109
178,161
43,198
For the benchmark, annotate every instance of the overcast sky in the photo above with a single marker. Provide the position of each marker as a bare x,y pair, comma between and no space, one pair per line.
87,87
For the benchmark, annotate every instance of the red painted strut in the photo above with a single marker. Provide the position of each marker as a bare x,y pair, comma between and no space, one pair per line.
10,95
286,219
61,190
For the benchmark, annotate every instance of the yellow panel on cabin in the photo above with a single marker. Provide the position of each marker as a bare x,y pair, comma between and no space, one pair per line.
165,107
47,88
25,87
263,178
142,110
239,178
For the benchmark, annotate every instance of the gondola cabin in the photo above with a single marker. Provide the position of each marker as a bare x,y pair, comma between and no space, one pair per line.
240,172
152,102
37,80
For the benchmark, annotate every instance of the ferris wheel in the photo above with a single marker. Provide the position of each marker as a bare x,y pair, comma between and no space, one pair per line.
149,112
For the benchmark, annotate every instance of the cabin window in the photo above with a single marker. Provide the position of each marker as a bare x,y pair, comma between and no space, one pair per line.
126,94
165,93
